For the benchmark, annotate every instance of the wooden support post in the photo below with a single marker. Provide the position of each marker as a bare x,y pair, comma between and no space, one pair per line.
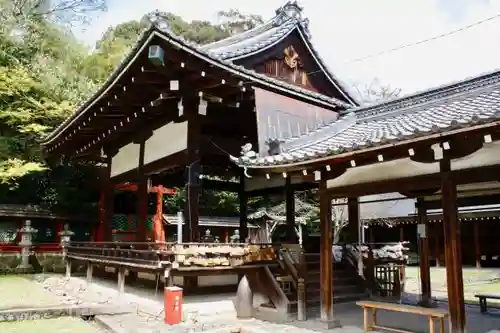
121,279
354,227
291,235
193,170
68,268
105,230
142,196
453,252
326,264
437,251
424,262
158,230
477,245
401,233
191,231
243,197
90,269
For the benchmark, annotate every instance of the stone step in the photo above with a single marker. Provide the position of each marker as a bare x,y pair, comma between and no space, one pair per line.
337,289
337,299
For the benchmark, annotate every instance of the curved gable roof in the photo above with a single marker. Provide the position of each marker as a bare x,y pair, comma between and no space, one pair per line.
261,38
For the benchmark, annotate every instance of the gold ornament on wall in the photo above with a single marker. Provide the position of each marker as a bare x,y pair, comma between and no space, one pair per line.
291,57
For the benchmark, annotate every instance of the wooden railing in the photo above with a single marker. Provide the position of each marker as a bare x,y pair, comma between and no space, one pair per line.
292,260
131,253
381,276
185,256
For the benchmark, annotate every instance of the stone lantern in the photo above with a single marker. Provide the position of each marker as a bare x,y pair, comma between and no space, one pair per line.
65,236
27,232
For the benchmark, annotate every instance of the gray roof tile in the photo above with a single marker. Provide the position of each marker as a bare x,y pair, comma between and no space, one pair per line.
462,104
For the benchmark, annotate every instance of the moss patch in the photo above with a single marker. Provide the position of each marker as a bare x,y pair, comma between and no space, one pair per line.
58,325
18,292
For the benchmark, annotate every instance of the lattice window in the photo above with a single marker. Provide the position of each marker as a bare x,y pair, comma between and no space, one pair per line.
119,222
8,232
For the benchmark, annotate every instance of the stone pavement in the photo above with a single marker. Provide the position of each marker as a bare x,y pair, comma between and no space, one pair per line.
215,313
200,313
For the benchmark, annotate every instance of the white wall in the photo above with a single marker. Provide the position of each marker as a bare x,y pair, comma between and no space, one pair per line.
166,140
125,160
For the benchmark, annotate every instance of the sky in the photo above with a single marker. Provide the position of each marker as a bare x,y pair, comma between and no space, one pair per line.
346,30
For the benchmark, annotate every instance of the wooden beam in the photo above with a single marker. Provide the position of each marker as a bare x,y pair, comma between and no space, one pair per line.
489,199
424,262
279,189
465,176
453,251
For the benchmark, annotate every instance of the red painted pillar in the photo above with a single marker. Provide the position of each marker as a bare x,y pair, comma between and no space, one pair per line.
158,232
59,228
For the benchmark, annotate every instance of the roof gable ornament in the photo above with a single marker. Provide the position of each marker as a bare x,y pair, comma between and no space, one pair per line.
274,146
290,10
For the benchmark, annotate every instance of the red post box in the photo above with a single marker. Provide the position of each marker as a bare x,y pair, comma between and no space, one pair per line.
173,305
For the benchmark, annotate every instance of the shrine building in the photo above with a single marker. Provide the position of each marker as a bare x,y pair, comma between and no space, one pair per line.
261,110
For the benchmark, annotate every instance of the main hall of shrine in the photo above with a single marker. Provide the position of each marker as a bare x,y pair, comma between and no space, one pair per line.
260,113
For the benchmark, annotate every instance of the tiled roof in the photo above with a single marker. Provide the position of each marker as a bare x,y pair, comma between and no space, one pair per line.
287,19
160,27
462,104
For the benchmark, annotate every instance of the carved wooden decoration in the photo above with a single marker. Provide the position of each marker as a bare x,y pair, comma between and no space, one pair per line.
289,68
292,58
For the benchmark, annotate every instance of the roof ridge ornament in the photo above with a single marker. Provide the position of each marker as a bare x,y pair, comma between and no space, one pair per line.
290,10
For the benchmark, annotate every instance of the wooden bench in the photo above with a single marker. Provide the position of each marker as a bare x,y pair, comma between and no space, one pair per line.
483,305
431,313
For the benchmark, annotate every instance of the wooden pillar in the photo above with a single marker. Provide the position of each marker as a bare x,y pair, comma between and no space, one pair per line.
59,228
158,230
243,197
354,227
453,252
193,169
437,251
401,232
326,263
424,262
105,232
477,245
291,235
142,196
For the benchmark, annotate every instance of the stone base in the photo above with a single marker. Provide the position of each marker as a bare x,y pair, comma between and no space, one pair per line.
330,324
25,269
427,304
